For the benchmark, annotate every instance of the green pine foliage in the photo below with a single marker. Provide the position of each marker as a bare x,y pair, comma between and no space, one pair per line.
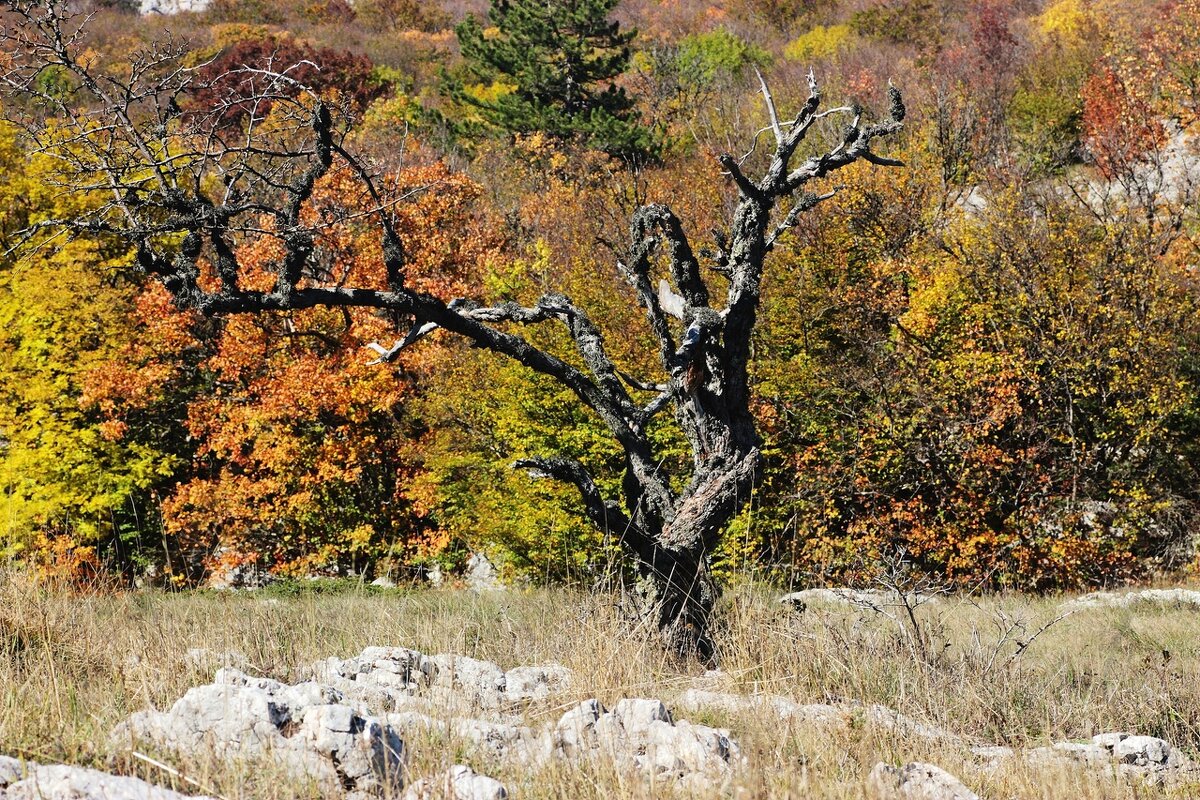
560,61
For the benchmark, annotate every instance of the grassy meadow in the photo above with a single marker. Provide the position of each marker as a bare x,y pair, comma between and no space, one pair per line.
74,665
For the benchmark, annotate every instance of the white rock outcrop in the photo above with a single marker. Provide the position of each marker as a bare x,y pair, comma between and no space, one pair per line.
640,734
305,728
1147,757
386,679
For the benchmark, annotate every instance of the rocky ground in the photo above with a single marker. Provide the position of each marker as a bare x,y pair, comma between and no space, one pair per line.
394,722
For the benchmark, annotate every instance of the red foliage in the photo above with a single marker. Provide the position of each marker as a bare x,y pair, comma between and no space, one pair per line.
1119,128
230,77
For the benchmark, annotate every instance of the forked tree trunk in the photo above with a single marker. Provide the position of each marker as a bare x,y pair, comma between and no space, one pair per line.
678,595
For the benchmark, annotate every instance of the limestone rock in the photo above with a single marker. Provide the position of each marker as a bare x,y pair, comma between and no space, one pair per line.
499,741
1109,740
391,679
889,718
1145,751
917,781
642,735
304,728
536,683
11,770
575,733
457,783
173,6
63,782
701,699
240,576
381,678
481,574
479,683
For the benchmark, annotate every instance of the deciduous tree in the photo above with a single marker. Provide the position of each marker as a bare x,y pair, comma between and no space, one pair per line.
183,198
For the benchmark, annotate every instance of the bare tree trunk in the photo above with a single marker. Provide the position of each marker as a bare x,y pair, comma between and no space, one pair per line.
185,194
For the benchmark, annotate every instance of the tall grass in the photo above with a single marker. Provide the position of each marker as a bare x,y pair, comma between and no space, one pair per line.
74,665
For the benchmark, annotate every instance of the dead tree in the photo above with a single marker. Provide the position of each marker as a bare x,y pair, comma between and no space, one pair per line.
183,190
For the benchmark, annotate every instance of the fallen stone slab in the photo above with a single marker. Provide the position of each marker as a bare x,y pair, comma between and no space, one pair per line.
856,598
917,781
306,729
459,782
1184,598
814,713
23,781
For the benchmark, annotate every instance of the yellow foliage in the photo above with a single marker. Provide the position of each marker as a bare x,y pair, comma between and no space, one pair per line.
1066,20
820,42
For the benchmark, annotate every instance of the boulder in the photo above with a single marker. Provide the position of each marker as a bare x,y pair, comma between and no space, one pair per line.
457,783
917,781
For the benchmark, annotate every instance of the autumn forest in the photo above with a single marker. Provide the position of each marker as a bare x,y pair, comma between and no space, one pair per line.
976,348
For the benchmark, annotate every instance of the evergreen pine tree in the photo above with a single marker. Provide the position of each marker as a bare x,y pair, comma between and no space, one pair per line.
562,56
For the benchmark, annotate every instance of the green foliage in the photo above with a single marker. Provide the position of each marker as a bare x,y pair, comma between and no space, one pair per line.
485,412
561,60
703,59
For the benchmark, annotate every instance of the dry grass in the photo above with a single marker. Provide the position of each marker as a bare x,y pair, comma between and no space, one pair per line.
72,666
